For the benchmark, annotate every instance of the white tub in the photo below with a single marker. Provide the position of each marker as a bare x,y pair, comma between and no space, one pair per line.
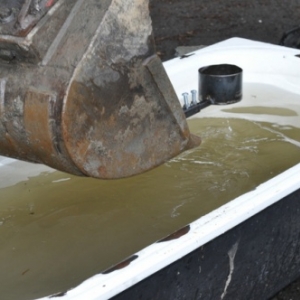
271,72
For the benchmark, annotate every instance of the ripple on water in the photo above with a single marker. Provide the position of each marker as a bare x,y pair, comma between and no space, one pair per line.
58,230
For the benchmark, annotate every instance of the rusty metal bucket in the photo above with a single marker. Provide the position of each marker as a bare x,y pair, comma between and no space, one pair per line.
81,89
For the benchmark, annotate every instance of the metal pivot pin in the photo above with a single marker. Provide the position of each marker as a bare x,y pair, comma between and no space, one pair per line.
186,100
194,97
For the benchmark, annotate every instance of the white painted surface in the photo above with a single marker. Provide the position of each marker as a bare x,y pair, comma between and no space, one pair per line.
262,63
13,171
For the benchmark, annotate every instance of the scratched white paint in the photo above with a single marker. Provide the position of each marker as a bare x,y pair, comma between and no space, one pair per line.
231,255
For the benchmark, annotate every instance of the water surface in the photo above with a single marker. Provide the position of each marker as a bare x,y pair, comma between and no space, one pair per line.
56,230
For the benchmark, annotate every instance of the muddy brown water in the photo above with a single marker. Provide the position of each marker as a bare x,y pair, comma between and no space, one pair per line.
56,230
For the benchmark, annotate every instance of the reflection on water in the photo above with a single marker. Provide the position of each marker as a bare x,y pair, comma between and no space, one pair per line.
56,229
260,110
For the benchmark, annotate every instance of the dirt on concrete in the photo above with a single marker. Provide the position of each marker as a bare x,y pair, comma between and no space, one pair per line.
205,22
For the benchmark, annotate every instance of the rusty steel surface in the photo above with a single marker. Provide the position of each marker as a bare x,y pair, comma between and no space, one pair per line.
82,90
18,17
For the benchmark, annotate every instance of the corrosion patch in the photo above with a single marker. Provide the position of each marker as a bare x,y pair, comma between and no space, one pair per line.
176,235
121,265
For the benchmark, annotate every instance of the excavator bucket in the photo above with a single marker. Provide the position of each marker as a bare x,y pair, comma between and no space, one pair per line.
82,90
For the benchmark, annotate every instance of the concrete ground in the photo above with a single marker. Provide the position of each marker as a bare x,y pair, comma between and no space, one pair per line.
205,22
